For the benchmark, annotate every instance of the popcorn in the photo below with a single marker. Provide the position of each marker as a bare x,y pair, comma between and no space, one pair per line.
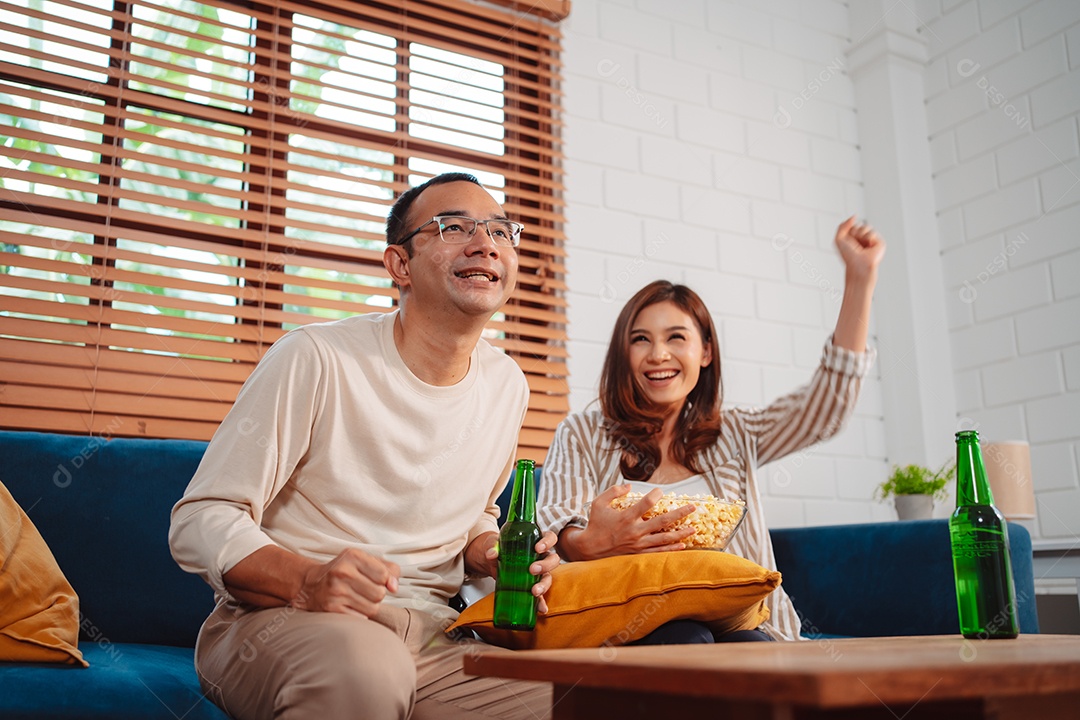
714,521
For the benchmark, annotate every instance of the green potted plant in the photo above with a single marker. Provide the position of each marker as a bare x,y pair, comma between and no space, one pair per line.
914,489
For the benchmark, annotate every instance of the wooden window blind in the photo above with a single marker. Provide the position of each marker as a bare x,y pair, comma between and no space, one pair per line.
182,182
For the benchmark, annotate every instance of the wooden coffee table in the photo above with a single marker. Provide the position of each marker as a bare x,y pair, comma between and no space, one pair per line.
1033,676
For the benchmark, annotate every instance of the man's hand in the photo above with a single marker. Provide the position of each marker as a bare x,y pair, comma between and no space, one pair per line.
353,583
482,558
624,532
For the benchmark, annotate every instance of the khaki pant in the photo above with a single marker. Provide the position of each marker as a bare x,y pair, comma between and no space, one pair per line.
288,663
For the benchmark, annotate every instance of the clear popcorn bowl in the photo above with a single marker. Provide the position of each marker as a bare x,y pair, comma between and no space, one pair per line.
714,521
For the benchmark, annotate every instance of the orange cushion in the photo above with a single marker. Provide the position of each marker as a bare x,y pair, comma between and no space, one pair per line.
617,600
39,611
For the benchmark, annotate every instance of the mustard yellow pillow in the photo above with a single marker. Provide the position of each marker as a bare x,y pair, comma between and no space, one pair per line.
39,611
617,600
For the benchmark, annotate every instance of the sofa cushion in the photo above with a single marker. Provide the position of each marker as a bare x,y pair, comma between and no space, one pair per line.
136,682
39,612
616,600
103,507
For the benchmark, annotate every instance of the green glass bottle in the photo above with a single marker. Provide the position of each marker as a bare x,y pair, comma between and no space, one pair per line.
515,605
985,596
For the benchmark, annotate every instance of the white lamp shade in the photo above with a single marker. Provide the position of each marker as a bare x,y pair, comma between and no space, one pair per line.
1008,469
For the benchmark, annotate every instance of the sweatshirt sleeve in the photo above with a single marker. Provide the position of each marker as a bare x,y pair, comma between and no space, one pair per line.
814,412
489,519
217,522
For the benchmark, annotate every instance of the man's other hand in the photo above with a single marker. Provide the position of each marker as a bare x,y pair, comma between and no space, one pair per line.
354,583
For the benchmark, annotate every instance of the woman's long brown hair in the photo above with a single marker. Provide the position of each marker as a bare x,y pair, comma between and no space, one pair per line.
631,420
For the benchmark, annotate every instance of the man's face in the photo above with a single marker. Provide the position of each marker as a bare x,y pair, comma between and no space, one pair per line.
476,277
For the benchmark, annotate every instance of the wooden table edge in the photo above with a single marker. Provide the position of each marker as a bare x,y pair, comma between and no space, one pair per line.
820,689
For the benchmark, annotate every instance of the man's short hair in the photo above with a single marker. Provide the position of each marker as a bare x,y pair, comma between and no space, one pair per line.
395,221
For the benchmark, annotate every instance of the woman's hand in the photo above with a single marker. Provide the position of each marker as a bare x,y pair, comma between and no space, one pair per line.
861,249
624,532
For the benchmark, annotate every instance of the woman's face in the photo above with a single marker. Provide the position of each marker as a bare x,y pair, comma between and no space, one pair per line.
667,353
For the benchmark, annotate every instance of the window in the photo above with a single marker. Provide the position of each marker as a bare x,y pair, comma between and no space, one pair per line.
182,182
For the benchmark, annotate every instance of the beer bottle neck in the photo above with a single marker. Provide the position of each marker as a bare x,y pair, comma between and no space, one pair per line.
972,487
523,497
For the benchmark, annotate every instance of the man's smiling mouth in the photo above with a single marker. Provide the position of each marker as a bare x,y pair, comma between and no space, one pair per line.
471,274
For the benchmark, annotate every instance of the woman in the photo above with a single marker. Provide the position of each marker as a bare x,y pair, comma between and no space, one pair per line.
660,429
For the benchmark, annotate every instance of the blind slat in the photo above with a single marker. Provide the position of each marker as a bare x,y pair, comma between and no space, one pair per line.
116,382
542,420
119,425
112,316
89,357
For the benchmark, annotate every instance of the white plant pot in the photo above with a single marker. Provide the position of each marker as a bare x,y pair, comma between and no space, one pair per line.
914,507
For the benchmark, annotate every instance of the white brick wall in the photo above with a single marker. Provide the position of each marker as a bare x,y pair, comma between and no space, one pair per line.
1024,378
1064,271
681,165
1072,368
1048,327
977,345
1052,466
1041,150
1004,142
700,131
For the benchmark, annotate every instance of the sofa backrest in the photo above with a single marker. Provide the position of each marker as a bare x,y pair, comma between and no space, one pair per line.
103,507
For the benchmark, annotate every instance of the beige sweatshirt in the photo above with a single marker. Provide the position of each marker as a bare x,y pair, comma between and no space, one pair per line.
333,443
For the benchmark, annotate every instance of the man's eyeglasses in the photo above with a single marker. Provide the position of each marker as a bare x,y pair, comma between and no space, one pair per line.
458,230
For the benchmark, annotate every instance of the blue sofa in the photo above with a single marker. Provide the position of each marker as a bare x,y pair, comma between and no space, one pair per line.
103,508
891,578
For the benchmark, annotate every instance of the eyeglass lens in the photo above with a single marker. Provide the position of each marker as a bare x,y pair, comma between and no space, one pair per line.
455,229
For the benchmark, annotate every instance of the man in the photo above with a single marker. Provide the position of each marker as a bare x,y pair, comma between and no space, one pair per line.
353,483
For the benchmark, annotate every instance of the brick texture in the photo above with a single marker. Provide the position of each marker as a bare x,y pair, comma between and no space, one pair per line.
707,141
1005,146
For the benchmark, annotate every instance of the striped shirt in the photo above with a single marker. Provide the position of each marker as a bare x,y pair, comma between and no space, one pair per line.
583,461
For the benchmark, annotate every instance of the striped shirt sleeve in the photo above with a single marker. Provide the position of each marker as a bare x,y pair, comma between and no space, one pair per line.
572,477
814,412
